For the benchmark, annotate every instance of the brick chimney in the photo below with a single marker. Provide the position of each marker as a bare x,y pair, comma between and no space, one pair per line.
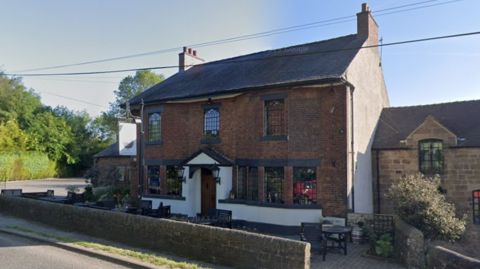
366,26
187,59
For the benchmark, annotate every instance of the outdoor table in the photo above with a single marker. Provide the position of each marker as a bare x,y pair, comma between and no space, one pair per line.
61,200
342,235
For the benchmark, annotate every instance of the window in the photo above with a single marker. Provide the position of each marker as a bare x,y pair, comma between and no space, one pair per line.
154,127
274,185
212,124
274,117
476,206
304,185
123,173
242,181
252,194
174,186
154,179
431,156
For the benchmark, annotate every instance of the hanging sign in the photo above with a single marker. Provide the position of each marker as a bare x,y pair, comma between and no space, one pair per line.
127,139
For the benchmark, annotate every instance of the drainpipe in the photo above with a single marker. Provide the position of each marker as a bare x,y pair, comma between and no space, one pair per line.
378,180
352,147
140,165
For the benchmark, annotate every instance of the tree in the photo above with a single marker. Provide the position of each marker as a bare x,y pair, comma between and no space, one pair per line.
130,87
12,138
416,200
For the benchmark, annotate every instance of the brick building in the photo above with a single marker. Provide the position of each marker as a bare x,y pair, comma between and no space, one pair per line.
439,139
290,129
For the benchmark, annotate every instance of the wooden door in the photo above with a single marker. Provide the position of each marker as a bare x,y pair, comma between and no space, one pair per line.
209,191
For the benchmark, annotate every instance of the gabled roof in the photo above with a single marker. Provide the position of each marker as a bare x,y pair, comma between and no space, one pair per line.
111,151
262,69
461,118
212,153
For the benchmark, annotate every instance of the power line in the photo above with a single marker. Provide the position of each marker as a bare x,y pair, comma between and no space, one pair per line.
254,60
247,37
73,80
81,101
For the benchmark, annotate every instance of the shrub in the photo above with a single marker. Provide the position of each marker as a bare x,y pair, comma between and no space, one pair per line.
384,246
91,176
417,201
25,165
72,188
88,194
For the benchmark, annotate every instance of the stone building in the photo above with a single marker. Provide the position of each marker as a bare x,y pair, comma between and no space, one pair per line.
290,131
439,139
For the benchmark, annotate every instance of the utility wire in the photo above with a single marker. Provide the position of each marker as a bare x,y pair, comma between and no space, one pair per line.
246,37
254,60
81,101
73,80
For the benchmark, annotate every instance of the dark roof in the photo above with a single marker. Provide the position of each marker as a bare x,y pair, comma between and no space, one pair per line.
461,118
261,69
109,152
212,153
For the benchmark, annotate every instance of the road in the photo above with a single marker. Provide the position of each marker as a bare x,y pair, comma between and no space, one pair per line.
18,252
56,184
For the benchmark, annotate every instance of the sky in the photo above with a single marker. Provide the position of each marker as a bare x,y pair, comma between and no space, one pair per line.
38,34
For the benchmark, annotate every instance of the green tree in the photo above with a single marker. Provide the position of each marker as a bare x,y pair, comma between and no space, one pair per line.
12,138
129,87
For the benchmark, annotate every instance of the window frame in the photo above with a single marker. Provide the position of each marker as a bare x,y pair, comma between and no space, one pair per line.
270,117
270,181
158,127
149,177
432,161
307,194
476,207
211,124
172,182
207,108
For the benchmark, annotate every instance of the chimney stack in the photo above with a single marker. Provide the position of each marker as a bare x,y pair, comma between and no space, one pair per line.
187,59
366,26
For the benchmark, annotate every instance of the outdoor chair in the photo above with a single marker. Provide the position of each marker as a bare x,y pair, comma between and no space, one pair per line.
50,193
145,206
220,218
312,233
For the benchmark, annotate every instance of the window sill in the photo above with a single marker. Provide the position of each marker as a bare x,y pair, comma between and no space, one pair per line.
154,143
165,197
210,141
264,204
273,138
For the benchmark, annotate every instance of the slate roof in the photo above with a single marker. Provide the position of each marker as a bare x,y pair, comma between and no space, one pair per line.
461,118
212,153
310,62
111,151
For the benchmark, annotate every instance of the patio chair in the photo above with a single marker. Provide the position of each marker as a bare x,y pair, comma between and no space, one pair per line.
161,212
312,233
145,206
12,192
50,193
224,218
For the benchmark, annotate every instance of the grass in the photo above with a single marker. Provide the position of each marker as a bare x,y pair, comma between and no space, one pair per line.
149,258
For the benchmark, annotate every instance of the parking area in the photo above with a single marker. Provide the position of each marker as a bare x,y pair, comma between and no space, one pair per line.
40,185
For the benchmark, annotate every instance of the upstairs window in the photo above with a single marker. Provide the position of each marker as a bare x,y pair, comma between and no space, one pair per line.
304,185
476,206
274,117
430,156
274,185
154,127
212,124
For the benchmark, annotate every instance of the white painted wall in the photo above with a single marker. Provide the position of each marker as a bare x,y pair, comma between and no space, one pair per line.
278,216
223,190
202,158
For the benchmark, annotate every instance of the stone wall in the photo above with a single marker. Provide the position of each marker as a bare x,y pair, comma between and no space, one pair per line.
442,258
216,245
409,245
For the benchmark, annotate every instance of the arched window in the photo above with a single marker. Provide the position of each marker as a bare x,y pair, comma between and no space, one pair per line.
430,156
155,127
212,124
476,206
274,118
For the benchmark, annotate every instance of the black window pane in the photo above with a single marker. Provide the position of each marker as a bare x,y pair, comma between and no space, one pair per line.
252,194
431,157
212,124
274,185
242,183
154,179
274,117
174,186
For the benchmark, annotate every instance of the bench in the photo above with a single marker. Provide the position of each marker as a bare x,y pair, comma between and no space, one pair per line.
108,204
220,217
311,232
161,212
35,195
12,192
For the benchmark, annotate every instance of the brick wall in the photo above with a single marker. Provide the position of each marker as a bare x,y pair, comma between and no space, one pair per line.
106,164
212,244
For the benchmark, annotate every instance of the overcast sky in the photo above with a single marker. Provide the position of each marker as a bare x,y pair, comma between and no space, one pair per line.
37,34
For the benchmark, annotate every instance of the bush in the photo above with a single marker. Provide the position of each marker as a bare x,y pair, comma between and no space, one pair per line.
417,201
25,166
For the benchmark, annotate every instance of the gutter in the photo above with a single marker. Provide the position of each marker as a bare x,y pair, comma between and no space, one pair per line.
352,138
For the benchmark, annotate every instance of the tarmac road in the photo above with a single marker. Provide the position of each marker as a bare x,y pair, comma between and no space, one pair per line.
38,185
19,253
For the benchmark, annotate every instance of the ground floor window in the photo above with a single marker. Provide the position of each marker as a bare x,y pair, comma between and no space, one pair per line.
153,179
476,206
252,194
304,185
247,183
242,180
123,173
274,185
174,186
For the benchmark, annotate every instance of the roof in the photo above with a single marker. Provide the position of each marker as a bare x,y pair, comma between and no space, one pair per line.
111,151
212,153
309,62
397,123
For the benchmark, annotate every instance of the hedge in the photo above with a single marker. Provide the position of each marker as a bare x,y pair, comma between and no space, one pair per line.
25,166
